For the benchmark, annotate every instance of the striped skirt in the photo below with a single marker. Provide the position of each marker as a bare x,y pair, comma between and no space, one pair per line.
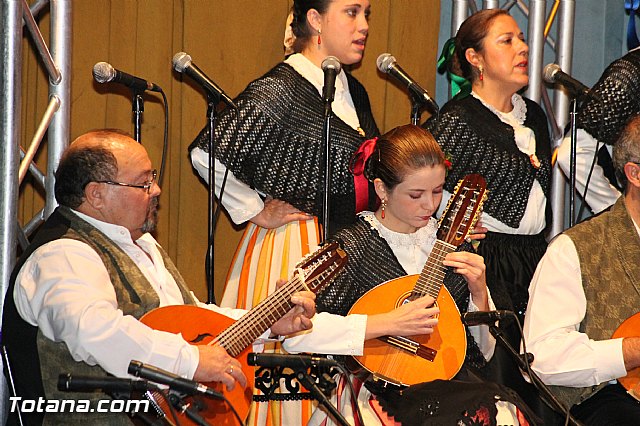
264,256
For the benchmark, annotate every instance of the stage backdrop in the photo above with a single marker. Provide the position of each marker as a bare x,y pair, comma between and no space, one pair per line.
233,42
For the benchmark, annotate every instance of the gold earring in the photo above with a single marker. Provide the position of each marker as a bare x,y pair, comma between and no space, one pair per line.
319,38
384,206
481,72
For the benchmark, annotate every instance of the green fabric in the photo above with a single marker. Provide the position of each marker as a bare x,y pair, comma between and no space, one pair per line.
460,86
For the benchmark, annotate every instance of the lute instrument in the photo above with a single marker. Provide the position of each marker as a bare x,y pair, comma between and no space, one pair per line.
630,328
399,361
200,326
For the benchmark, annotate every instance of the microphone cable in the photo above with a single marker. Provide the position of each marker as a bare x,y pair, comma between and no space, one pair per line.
536,381
354,398
165,144
168,399
593,163
172,410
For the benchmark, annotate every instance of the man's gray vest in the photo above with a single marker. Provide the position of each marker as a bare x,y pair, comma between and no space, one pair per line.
608,248
135,297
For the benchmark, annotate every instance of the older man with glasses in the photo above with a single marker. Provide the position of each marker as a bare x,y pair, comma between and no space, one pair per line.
585,286
92,271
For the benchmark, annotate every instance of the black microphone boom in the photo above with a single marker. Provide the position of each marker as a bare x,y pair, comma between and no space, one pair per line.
553,74
175,382
182,63
103,72
70,383
387,64
292,361
331,67
484,317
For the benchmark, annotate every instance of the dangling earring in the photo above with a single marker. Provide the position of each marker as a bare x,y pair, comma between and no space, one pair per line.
383,206
481,72
319,38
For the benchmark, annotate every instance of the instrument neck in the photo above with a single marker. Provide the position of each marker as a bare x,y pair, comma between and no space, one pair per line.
242,333
432,276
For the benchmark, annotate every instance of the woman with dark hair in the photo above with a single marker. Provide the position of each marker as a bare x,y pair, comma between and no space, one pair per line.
488,128
272,148
407,168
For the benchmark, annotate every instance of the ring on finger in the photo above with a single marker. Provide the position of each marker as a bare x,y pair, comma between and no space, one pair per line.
230,368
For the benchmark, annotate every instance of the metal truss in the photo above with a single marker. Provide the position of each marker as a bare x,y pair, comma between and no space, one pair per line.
15,163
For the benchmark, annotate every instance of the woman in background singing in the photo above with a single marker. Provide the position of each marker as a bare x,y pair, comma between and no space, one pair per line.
272,147
488,128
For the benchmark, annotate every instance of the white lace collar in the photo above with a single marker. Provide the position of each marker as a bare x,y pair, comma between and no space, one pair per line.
517,114
423,237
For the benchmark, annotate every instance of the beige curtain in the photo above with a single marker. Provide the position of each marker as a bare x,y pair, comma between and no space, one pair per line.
233,42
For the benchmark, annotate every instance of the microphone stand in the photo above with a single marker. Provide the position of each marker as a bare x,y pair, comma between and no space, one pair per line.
572,162
523,364
183,407
317,393
212,101
137,104
416,110
326,161
417,105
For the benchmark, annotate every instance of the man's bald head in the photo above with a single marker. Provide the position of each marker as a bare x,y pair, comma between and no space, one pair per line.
89,158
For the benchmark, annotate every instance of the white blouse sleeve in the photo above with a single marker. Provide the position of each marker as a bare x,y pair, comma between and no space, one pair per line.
562,354
239,200
331,334
601,193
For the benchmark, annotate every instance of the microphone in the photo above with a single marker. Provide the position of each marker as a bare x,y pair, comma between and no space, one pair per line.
182,64
103,72
291,361
553,74
331,67
484,317
175,382
69,383
387,64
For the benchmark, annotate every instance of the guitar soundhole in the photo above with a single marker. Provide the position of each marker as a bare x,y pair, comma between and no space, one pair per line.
200,337
406,298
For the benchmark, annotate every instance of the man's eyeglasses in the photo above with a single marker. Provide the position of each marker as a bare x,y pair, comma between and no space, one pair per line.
147,185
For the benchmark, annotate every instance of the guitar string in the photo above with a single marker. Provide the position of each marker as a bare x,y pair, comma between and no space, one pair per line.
264,312
239,337
244,331
392,364
429,282
279,301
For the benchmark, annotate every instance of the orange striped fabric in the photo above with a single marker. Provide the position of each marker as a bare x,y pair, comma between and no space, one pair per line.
263,256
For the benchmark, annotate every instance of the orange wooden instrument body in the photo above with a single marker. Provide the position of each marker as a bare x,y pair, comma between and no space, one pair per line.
630,328
201,326
404,367
403,361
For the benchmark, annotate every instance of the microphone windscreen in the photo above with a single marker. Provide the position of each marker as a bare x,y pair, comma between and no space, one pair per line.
331,63
181,61
549,73
103,72
385,61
